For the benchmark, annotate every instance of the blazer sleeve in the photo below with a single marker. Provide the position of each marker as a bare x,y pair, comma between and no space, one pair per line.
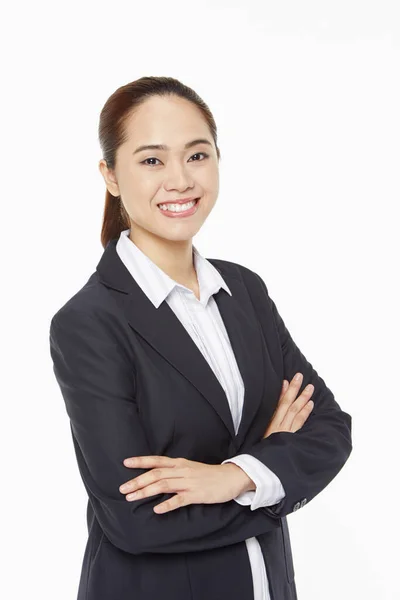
268,490
97,381
307,460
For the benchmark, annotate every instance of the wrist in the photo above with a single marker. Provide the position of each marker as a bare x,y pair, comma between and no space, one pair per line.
245,483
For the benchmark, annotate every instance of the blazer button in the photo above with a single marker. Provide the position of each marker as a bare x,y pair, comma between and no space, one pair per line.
296,506
302,503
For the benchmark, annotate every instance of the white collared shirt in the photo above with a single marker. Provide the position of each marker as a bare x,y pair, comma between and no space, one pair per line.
202,320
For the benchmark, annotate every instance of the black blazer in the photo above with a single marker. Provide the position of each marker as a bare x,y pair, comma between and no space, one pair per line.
135,383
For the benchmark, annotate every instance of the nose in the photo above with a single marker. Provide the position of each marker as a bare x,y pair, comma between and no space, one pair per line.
177,177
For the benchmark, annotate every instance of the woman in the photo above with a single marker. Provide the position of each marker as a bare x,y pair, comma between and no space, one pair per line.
178,376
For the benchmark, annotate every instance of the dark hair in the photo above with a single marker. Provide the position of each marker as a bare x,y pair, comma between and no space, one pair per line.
114,114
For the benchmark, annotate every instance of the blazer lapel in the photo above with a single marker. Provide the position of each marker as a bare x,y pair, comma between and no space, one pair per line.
245,335
163,330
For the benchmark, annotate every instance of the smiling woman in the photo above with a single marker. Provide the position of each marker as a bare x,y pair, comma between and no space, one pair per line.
159,164
171,367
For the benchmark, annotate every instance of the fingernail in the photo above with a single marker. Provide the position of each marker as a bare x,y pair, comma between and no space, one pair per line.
297,377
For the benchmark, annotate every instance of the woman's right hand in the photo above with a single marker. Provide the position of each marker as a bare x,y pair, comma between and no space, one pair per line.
291,413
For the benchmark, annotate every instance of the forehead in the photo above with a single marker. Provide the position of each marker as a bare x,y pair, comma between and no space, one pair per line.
166,120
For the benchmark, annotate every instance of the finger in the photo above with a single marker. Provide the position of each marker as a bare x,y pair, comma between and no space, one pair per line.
297,406
141,481
163,486
149,478
287,399
172,504
148,462
285,385
302,416
283,390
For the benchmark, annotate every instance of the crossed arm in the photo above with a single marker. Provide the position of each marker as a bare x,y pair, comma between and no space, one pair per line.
97,384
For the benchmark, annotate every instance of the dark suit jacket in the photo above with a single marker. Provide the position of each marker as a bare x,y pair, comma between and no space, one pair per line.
135,384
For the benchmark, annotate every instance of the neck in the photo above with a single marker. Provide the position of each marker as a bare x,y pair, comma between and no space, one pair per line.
175,258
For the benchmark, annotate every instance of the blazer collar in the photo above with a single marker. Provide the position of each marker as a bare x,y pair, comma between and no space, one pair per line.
156,284
161,328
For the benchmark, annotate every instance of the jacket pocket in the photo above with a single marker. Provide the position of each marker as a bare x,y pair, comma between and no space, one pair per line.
288,550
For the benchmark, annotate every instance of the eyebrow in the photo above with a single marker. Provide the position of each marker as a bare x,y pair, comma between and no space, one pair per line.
164,147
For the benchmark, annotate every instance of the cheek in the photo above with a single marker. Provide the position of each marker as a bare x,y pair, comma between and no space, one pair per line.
141,193
208,180
211,186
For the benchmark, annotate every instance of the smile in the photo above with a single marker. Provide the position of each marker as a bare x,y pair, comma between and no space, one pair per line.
179,210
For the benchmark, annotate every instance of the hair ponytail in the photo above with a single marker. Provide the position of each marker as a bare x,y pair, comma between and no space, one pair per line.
115,218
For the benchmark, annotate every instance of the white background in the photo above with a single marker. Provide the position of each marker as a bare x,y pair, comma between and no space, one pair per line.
306,97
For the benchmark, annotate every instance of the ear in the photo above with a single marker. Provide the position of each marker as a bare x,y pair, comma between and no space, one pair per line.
109,178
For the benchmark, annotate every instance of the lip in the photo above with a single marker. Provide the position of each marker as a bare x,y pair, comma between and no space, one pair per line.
182,201
181,215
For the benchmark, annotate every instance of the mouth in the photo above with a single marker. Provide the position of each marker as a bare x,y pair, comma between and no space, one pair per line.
179,210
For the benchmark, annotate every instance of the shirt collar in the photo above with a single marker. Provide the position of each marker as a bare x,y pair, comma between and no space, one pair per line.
156,284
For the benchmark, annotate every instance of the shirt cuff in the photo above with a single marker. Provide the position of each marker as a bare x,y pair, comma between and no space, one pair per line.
269,489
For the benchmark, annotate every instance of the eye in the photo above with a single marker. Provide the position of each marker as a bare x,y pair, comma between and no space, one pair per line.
144,162
198,153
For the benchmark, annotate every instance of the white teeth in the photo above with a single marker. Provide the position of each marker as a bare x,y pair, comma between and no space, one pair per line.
177,207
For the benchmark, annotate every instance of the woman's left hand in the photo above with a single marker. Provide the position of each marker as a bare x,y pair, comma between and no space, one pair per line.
193,482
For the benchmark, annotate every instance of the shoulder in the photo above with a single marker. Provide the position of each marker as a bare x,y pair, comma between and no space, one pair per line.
242,272
91,303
